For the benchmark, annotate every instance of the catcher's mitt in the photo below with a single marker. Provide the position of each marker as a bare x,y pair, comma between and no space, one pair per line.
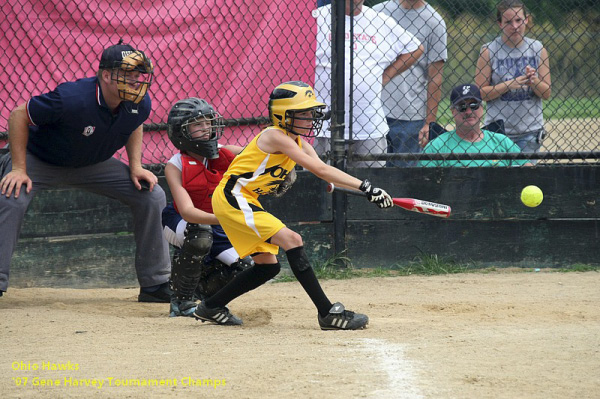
286,183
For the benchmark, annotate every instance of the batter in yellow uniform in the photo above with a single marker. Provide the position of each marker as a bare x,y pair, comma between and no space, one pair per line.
262,168
235,201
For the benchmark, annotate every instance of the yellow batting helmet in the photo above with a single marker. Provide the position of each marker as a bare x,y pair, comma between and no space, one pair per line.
290,98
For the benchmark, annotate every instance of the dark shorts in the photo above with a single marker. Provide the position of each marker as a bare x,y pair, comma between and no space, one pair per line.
174,227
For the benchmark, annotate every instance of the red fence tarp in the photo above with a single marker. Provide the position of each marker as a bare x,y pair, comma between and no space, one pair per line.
231,53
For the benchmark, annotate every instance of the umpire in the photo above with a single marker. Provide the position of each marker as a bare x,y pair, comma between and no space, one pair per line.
67,137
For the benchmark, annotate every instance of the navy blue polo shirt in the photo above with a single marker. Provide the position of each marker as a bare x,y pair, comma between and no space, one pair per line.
74,127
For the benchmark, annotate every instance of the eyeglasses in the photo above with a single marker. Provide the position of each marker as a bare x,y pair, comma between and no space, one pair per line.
463,107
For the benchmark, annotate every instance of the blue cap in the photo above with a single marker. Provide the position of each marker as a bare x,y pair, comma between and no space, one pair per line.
113,56
465,92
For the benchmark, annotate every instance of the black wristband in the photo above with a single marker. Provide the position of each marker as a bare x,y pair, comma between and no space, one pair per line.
365,186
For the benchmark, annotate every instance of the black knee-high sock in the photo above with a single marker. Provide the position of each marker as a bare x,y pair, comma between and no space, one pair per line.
246,281
301,268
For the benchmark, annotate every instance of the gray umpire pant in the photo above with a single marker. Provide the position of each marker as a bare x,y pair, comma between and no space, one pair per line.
109,178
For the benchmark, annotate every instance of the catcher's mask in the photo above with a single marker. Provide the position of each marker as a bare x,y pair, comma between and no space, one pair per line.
194,126
130,68
290,99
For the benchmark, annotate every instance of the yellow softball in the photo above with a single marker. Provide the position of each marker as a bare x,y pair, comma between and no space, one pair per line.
532,196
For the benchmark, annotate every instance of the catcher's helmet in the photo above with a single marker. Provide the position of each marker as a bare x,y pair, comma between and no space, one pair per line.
130,68
182,118
290,98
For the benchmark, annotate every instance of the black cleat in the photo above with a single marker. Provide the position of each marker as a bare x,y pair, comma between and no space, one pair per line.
220,316
339,318
161,295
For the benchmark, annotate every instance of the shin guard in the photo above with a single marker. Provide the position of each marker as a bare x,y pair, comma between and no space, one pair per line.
187,266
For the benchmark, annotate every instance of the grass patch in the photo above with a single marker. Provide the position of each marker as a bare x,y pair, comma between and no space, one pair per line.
432,264
579,268
340,267
563,108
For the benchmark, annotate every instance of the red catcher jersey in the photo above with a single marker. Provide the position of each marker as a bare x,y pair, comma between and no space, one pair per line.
200,181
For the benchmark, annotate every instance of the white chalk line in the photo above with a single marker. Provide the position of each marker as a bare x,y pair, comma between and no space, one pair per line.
401,377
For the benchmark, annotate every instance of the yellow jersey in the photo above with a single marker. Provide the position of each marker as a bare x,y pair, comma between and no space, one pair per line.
255,172
252,173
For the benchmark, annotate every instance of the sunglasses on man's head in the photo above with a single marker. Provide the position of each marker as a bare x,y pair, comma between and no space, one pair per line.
463,106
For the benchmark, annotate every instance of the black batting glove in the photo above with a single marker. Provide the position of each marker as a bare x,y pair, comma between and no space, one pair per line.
376,195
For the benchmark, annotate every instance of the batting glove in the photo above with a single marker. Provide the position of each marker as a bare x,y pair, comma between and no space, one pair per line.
376,195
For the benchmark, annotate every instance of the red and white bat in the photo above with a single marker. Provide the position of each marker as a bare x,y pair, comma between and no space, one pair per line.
410,204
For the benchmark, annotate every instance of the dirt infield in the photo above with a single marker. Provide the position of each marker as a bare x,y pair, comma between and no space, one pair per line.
498,335
572,135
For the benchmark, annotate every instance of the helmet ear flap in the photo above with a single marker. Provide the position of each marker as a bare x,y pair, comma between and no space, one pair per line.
278,120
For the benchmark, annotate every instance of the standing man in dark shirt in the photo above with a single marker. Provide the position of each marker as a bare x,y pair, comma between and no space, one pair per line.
67,137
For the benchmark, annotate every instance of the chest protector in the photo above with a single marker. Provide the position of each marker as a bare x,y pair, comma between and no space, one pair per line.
200,181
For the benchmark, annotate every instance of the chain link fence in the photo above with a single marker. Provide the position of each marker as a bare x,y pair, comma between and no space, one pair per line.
234,53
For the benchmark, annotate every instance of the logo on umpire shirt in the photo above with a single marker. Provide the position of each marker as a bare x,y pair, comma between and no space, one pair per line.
88,130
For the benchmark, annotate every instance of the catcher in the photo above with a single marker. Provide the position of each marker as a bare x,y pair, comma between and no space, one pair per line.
204,259
263,165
